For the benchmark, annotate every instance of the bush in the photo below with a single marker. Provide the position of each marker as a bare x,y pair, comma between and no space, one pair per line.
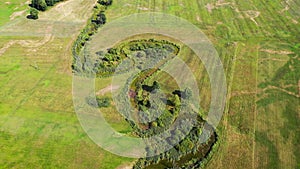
105,2
50,2
103,102
34,13
101,19
42,5
39,5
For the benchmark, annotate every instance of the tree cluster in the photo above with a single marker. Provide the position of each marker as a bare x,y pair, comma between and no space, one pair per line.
186,146
105,2
100,19
42,5
86,65
188,153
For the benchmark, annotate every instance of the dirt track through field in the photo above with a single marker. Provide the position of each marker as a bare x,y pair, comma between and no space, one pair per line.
109,88
47,23
29,43
55,23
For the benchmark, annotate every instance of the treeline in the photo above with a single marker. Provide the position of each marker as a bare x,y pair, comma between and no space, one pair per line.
85,64
144,52
141,53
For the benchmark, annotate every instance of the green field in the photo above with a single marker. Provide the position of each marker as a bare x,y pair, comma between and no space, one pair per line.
258,44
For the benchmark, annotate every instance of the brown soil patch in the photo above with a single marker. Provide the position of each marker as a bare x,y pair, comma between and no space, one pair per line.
109,88
280,52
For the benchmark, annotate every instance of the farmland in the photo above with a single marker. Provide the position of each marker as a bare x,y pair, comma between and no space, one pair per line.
257,42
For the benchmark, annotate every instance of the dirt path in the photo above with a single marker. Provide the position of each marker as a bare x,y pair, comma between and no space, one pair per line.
280,52
283,90
252,15
270,87
29,43
107,89
16,14
239,93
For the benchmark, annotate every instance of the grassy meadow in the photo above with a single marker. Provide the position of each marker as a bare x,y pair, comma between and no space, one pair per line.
257,41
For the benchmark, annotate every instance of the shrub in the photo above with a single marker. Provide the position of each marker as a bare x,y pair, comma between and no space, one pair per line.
39,4
34,13
105,2
100,19
103,102
50,2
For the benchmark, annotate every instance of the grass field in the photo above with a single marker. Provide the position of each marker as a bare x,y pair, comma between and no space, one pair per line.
255,40
12,9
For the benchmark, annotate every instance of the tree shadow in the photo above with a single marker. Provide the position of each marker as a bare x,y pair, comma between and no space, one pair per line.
31,17
147,88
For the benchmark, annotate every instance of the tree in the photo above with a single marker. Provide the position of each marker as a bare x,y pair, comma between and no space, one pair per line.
100,19
103,102
155,85
34,13
105,2
39,4
42,5
50,2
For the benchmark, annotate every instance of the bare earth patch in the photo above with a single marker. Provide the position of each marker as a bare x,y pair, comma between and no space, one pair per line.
29,43
209,7
125,166
252,15
218,4
282,90
143,8
109,88
280,52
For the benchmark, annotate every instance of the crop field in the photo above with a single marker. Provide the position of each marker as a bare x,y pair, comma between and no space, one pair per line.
258,42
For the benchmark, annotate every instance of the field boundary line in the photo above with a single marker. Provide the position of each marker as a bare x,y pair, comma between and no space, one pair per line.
255,109
228,97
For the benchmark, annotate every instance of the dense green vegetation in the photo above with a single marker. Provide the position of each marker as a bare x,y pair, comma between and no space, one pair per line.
105,2
144,53
189,152
97,20
42,5
34,13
